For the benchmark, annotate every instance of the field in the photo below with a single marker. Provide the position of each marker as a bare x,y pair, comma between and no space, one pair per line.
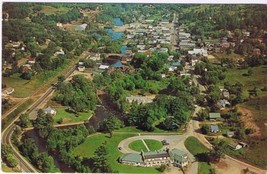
70,117
87,149
257,79
195,147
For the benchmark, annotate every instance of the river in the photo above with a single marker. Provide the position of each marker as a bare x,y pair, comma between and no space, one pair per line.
101,113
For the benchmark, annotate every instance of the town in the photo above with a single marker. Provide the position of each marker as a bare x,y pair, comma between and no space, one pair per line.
134,88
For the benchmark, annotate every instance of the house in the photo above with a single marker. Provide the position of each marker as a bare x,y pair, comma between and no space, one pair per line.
139,99
81,68
225,93
60,52
180,158
214,116
230,134
124,60
197,51
163,50
81,27
103,67
50,111
94,57
170,58
222,103
243,144
7,91
235,146
31,60
214,129
26,68
156,158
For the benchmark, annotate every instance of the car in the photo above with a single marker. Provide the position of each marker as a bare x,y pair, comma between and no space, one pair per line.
165,142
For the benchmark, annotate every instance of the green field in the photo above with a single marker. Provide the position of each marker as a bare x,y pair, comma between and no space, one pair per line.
70,117
138,145
153,144
195,147
257,79
87,149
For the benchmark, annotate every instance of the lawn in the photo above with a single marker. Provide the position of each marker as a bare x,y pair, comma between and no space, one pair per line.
70,117
138,146
153,144
87,149
257,79
195,147
18,83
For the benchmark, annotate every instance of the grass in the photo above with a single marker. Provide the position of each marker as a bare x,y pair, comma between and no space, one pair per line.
138,146
195,147
257,79
10,170
204,168
153,144
70,117
87,149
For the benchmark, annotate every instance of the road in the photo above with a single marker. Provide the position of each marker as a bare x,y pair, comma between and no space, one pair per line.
7,133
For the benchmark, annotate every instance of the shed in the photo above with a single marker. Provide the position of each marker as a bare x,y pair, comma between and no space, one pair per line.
235,146
230,134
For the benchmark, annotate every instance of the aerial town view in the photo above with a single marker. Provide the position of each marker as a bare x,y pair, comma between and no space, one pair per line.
134,88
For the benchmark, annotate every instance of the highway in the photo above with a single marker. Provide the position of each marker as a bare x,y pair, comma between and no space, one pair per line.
7,133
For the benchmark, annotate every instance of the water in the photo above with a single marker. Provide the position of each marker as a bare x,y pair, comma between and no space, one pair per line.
100,114
118,22
123,49
114,35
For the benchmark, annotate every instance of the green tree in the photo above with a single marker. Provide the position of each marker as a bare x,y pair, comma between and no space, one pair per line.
24,120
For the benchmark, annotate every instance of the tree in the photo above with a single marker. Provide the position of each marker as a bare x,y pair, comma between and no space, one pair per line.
205,129
111,123
250,72
11,161
217,152
100,164
24,120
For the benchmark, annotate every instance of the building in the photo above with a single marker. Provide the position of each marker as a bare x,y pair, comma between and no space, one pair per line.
235,146
81,68
31,60
156,158
197,51
50,111
103,67
81,27
214,129
139,99
223,103
214,116
118,64
225,93
7,91
230,134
